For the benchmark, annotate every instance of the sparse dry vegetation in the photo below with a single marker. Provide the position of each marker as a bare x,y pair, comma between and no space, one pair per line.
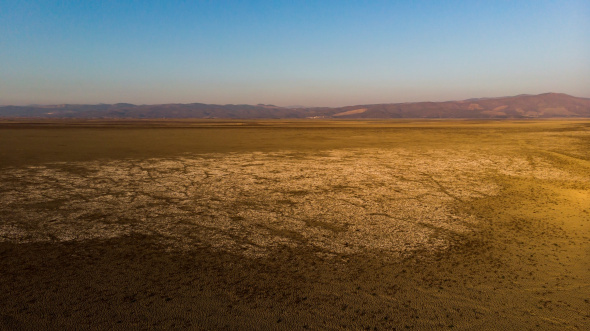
330,225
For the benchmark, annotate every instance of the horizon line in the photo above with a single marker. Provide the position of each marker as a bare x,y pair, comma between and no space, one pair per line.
273,105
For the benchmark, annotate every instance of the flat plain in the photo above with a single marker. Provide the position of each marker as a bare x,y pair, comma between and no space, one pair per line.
217,224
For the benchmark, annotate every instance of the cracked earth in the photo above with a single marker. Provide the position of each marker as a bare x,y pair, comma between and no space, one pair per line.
336,203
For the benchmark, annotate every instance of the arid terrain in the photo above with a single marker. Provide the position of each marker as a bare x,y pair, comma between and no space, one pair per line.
297,224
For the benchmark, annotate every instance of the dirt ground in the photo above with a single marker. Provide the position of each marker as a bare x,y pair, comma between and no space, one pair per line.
295,224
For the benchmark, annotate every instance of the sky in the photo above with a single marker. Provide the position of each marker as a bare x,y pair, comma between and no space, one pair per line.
311,53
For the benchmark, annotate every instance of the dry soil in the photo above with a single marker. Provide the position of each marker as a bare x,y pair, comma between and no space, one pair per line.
294,225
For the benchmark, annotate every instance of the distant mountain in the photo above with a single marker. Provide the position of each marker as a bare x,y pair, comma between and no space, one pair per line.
547,105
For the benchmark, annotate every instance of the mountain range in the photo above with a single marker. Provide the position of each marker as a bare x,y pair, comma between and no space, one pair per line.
546,105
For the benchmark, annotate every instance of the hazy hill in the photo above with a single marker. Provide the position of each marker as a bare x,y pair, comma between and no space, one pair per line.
547,105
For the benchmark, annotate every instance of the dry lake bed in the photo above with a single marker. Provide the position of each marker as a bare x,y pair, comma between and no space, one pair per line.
295,224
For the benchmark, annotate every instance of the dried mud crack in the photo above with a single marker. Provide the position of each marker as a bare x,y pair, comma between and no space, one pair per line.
338,202
372,226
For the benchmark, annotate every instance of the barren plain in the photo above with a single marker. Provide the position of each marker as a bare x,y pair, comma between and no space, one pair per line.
295,224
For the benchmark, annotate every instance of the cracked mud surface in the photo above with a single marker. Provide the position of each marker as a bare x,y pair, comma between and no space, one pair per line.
339,202
443,231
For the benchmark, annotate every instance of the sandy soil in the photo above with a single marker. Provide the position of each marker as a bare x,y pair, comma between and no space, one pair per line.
342,225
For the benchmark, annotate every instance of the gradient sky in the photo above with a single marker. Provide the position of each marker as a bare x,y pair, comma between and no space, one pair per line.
312,53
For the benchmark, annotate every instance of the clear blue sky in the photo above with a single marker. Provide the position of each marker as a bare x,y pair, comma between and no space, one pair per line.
314,53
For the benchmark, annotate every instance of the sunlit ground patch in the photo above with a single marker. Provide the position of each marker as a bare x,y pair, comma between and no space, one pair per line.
335,203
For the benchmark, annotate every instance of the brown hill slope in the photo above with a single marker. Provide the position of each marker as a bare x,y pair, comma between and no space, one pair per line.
547,105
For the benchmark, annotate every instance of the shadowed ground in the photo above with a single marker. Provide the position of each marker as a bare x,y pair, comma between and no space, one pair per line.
274,224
